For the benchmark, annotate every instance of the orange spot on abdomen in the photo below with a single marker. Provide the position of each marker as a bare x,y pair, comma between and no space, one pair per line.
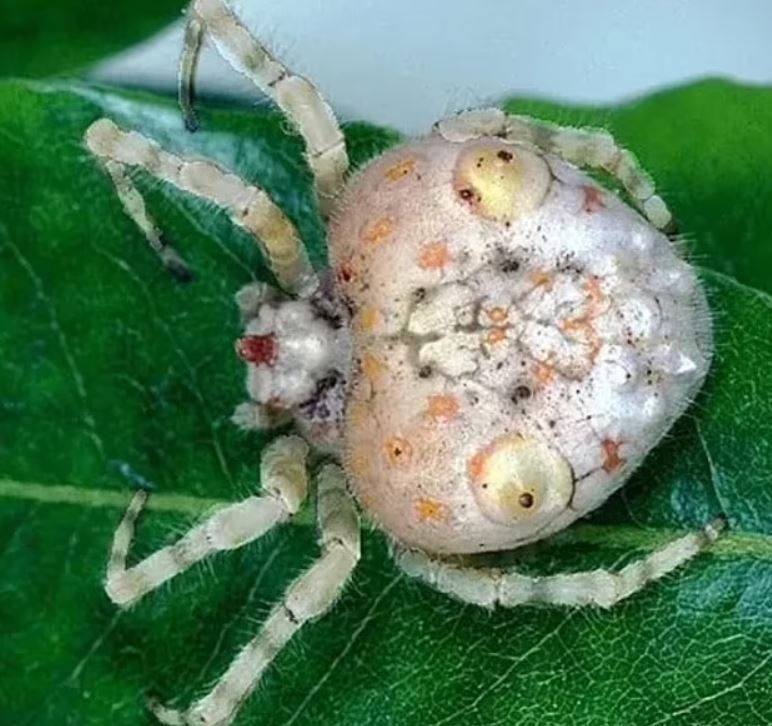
612,461
399,451
430,509
585,322
595,293
477,465
442,407
542,279
372,366
496,336
544,373
400,170
368,319
434,256
497,315
378,231
345,272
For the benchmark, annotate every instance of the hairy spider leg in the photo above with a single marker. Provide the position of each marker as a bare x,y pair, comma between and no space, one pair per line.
248,205
584,147
599,588
308,598
297,97
285,483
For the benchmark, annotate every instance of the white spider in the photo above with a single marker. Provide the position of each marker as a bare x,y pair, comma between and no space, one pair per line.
500,345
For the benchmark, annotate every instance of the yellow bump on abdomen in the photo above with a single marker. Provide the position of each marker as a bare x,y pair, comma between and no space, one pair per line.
500,181
517,477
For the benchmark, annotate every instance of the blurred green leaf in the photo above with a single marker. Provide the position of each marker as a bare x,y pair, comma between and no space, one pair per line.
44,38
109,371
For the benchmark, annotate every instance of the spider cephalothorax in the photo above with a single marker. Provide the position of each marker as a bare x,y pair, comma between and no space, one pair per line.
499,343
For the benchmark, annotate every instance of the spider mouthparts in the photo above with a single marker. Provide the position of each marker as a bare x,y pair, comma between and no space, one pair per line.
258,349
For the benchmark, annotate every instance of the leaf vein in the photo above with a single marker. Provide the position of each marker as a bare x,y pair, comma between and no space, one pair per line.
61,338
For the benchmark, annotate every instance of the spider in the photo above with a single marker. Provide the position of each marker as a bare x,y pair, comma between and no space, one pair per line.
498,344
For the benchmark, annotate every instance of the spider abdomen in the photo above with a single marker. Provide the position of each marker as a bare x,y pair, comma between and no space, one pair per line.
521,339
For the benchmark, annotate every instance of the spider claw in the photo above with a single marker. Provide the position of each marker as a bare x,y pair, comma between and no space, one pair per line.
672,229
714,528
191,122
174,262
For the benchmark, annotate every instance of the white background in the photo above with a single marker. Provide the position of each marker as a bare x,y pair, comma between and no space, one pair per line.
405,63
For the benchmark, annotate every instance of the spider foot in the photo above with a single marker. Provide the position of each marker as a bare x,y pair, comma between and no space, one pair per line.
190,717
190,119
173,262
714,528
166,715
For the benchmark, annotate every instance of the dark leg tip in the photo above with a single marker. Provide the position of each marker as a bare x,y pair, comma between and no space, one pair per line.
181,273
721,520
174,263
716,526
672,229
191,123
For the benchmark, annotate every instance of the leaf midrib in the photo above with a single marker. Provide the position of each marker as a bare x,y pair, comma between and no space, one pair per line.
617,536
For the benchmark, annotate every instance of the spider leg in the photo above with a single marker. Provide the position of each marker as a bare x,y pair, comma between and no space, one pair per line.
251,416
252,297
584,147
309,597
298,99
283,474
248,206
597,588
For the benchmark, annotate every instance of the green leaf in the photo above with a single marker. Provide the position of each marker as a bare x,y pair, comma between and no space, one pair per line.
41,38
111,374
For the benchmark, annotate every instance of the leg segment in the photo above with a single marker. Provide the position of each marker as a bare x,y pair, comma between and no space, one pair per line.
593,148
134,206
283,474
248,206
252,297
309,597
294,95
250,416
599,588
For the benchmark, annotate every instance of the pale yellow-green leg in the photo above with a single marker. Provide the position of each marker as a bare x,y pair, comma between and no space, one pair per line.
308,598
297,97
584,147
247,205
599,588
285,483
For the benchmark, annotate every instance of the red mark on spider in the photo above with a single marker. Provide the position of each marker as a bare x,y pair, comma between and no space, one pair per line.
593,200
612,461
257,349
345,271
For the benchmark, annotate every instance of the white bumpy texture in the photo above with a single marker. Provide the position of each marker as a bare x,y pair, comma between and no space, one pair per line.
522,338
